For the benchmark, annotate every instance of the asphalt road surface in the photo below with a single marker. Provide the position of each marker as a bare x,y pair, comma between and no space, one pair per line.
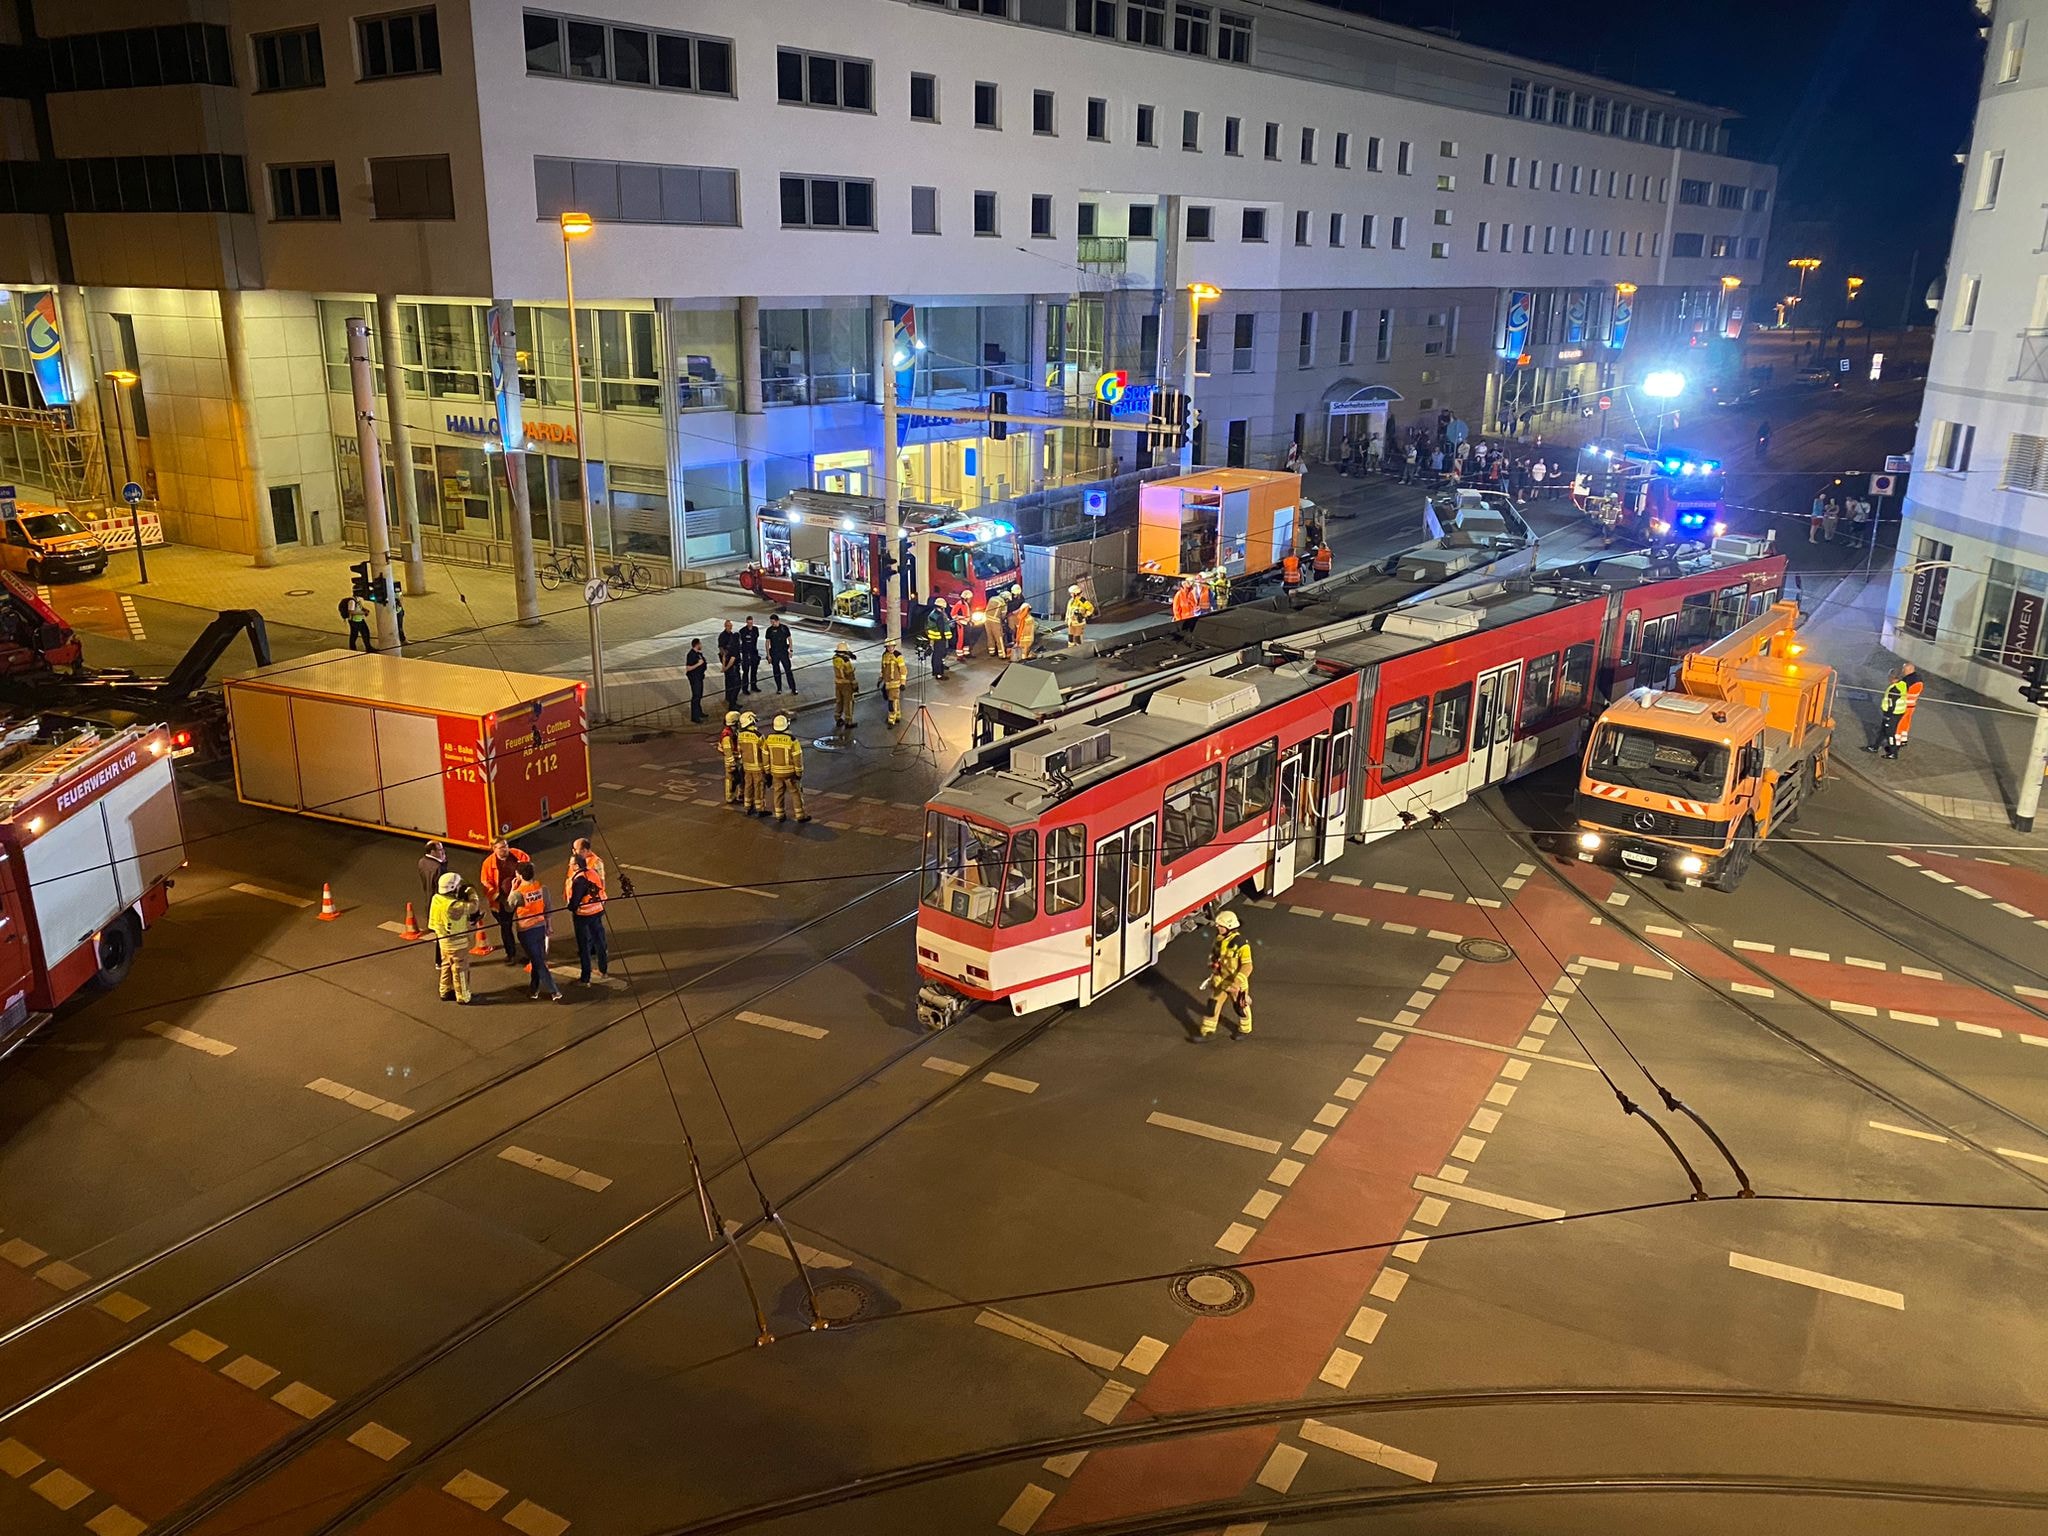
289,1246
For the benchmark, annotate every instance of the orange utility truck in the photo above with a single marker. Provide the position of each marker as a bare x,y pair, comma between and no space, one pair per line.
1685,782
1245,520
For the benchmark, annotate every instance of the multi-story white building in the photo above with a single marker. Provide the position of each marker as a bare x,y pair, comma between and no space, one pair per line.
1970,598
1400,224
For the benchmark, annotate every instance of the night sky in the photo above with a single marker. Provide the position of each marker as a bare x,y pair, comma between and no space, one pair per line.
1861,104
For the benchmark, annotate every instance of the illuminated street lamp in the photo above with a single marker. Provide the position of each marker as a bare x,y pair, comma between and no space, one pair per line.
574,227
123,380
1855,285
1197,293
1803,265
1663,384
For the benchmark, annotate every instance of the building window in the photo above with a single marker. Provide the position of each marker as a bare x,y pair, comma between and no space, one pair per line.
402,43
1308,339
1140,222
1507,238
1233,132
827,202
924,98
1202,344
823,80
985,214
1308,146
1598,124
924,210
1372,154
185,53
1442,217
1098,119
1731,197
1347,337
1518,97
1606,242
1439,250
1252,226
132,184
1301,222
1930,585
1095,18
1368,230
1148,129
1966,303
1685,244
1341,152
1336,229
1191,28
1383,348
985,105
2026,463
1191,131
1201,222
1084,220
1400,232
1447,183
1042,112
414,187
303,192
566,47
1539,102
2014,53
1272,141
1578,173
1759,199
1244,333
1041,216
288,61
1720,246
1949,444
1233,37
1556,174
1486,169
1514,170
1404,159
1145,22
1561,107
2009,633
1988,178
1570,240
1691,192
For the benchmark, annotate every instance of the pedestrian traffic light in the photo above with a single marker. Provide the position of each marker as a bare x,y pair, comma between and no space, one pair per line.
2035,689
998,408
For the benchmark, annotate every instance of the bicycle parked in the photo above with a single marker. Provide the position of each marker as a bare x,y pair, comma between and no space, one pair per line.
621,576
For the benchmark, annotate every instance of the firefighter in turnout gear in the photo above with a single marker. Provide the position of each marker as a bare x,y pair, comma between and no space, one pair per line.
785,758
1230,976
992,620
895,673
844,688
1027,631
755,799
1079,612
729,754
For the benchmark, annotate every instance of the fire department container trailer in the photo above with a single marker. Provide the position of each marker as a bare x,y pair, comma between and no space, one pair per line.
1241,519
464,754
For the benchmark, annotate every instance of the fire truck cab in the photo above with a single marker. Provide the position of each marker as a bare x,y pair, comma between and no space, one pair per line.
823,550
1650,496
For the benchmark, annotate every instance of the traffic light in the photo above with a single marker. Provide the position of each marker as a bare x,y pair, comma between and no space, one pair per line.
1171,410
360,584
1101,435
2035,689
998,408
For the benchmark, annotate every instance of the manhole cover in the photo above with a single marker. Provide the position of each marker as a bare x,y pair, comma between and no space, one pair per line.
299,592
843,1301
1213,1292
1485,951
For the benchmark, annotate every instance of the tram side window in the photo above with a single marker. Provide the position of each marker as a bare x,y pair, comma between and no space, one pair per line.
1728,611
1248,791
1696,617
1574,675
963,868
1020,885
1066,876
1631,634
1403,753
1448,718
1191,807
1536,688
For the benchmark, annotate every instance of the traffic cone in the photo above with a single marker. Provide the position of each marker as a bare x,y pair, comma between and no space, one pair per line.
412,928
482,945
328,911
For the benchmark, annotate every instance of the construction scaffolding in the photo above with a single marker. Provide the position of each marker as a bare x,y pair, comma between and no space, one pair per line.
74,460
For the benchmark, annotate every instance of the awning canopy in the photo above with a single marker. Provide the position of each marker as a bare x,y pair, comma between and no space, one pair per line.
1351,397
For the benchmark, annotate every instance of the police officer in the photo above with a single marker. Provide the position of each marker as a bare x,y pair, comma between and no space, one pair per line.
992,620
585,897
530,919
1027,631
750,656
785,757
1079,612
1230,976
695,665
729,754
844,688
895,673
755,801
454,917
779,641
938,635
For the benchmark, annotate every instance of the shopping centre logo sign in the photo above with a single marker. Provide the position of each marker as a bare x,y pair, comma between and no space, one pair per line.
537,432
1115,390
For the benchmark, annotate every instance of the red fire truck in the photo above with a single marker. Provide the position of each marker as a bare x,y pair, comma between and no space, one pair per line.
822,550
90,834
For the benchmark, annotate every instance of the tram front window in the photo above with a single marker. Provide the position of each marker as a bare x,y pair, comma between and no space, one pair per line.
963,867
1652,760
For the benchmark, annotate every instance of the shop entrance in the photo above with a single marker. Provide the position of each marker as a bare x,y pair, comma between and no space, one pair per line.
284,514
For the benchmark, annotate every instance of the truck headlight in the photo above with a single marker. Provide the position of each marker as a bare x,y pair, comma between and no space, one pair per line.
1590,841
1691,864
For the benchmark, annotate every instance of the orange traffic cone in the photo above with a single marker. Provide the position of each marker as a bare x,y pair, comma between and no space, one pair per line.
412,928
482,945
328,911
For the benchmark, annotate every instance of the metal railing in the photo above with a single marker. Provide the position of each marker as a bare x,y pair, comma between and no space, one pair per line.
1102,251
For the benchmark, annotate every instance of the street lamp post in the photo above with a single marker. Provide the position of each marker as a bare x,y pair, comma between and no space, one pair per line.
124,379
1662,385
574,227
1197,292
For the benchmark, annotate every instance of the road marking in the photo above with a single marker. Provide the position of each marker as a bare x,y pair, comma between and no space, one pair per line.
1109,1402
1484,1120
1343,1364
248,1371
1903,1017
116,1521
1453,1175
1502,1094
1285,1172
1907,1130
198,1346
670,874
1972,891
1350,1089
1523,1049
1145,1354
1437,895
1864,1009
303,1400
1432,1210
1868,965
582,1178
1389,1284
1876,1295
812,1258
478,1492
1310,1142
65,1277
1900,858
1468,1149
283,898
1330,1114
121,1306
1065,1466
1806,954
1358,922
1049,1339
1652,970
1753,991
1368,1064
1235,1236
787,1026
1618,899
1400,927
1421,999
328,1088
1516,1069
380,1442
1935,874
1445,936
1278,1472
1409,1250
178,1035
2025,1157
1398,890
1306,911
1014,1084
1262,1204
529,1519
1978,1029
16,1459
2028,991
950,1068
61,1489
1025,1509
1358,1448
1366,1325
1664,933
1344,880
1487,1198
1914,970
1762,949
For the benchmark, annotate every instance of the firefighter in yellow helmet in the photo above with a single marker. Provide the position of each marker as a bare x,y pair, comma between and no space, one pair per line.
895,673
755,800
729,754
1027,630
784,755
1079,612
1230,976
844,688
992,620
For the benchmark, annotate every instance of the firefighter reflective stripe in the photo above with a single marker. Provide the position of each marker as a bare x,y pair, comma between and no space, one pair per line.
729,745
593,903
785,754
750,750
842,670
895,670
529,904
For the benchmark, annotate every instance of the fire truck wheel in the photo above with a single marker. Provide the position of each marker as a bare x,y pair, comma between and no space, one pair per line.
118,942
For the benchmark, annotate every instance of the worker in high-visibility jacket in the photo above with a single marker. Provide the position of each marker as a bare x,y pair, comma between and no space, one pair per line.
785,757
1027,631
530,922
1219,589
844,687
895,673
1184,611
993,619
454,918
754,799
585,898
1079,612
1910,676
1290,571
729,754
963,617
1324,561
1230,976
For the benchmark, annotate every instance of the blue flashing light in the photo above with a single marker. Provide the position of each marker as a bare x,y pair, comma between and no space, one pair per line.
1671,466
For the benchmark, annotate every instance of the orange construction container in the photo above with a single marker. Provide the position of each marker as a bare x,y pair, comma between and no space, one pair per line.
1245,520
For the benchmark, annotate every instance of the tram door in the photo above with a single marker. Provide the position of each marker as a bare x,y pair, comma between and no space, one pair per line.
1336,792
1125,871
1493,725
1314,803
1287,824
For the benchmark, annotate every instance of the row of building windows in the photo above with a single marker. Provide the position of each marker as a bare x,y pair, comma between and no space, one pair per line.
126,184
189,53
1201,30
571,48
1566,108
1587,180
392,46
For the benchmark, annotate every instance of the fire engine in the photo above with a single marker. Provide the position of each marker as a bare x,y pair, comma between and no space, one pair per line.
823,550
1650,495
90,834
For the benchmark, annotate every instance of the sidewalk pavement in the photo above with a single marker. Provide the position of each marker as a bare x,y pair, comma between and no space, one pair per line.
1967,751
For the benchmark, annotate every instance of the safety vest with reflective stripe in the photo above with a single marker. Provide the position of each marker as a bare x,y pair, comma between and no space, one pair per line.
529,905
785,755
593,903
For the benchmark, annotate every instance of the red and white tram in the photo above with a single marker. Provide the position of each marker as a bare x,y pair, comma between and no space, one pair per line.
1058,860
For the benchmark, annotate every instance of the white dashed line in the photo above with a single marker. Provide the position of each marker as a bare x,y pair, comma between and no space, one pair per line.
178,1035
1358,1448
785,1026
1213,1132
1014,1084
1876,1295
1049,1339
328,1088
582,1178
283,898
1907,1130
1862,1009
1899,1015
